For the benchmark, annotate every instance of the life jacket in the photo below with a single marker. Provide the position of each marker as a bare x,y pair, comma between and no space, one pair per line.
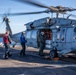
6,39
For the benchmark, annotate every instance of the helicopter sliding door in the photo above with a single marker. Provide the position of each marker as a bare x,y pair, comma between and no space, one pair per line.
31,37
69,35
61,38
64,39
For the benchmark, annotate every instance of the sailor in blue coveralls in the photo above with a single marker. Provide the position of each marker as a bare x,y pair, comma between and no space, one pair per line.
23,44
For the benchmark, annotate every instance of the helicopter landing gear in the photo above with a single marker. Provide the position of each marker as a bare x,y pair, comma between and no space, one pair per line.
53,54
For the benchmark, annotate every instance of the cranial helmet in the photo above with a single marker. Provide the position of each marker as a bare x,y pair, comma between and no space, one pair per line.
42,33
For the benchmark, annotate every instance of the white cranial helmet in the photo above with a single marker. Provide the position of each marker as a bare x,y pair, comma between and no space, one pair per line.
42,33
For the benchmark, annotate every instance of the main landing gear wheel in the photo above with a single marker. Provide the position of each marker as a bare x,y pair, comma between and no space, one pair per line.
53,54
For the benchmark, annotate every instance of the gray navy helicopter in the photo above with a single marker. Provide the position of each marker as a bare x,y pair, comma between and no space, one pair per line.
60,32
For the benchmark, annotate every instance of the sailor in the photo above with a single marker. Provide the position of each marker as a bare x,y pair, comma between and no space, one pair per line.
41,43
23,44
7,42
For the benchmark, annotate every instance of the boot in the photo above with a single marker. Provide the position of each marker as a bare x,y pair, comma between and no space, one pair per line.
9,55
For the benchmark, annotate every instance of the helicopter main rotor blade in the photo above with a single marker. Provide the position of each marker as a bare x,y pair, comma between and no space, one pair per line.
71,9
57,9
27,13
33,2
65,9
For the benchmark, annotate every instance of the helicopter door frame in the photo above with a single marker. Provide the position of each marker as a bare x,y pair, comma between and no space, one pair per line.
74,39
49,36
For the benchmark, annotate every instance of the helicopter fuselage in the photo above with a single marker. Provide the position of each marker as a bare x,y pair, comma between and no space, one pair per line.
60,34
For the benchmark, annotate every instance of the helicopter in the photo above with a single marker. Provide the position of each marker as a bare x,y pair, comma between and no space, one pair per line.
60,32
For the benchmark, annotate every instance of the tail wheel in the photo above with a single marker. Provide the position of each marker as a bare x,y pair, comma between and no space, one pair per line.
53,54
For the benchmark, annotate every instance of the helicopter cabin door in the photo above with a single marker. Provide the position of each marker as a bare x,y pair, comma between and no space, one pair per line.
66,38
69,35
62,38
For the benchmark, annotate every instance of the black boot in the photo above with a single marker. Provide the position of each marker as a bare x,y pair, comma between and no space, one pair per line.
21,52
5,56
9,55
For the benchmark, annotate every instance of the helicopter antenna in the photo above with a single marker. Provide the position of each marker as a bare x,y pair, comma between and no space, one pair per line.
69,16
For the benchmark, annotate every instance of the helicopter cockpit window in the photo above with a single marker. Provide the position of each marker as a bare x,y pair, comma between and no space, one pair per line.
33,36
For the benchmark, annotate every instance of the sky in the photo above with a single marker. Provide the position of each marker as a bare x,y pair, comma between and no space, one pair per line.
17,22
